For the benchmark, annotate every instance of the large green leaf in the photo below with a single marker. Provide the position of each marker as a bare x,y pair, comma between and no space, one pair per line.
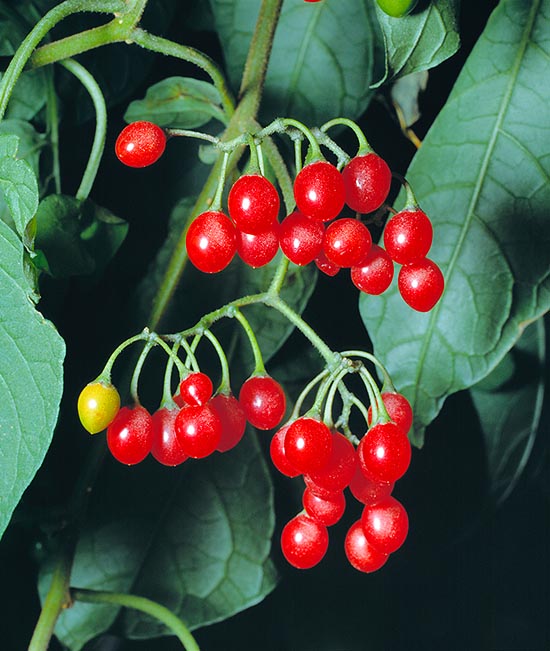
509,414
482,174
420,41
195,538
31,378
325,56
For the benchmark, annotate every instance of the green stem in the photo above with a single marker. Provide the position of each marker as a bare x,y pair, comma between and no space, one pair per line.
388,384
364,146
52,117
137,370
98,145
279,276
225,384
152,608
259,368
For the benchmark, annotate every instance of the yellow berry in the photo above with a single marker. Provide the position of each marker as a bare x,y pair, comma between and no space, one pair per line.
98,404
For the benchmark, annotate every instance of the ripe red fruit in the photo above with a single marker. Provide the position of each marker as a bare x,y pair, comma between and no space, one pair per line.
360,553
304,542
166,448
301,238
263,401
366,490
408,236
337,473
384,453
198,430
196,389
347,242
308,444
421,284
130,435
253,203
232,418
399,410
375,273
140,144
325,265
385,525
211,241
278,456
367,180
257,250
327,511
319,191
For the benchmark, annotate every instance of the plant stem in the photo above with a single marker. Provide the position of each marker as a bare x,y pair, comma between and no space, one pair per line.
152,608
52,120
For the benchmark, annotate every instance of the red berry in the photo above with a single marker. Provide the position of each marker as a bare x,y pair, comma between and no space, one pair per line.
263,401
360,553
140,144
257,250
347,242
366,490
384,452
211,241
130,435
301,238
325,265
308,444
319,191
399,410
278,456
408,236
196,389
367,180
323,493
421,284
232,418
337,473
198,430
253,203
327,511
166,448
385,525
304,542
375,273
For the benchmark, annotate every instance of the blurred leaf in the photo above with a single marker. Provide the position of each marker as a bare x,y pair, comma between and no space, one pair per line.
421,40
178,102
404,94
194,538
31,378
510,415
31,142
325,56
482,175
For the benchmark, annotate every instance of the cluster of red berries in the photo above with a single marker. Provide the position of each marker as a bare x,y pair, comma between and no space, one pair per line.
329,464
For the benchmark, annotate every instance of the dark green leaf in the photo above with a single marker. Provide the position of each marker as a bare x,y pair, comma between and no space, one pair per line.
510,415
421,40
195,538
31,378
178,102
482,175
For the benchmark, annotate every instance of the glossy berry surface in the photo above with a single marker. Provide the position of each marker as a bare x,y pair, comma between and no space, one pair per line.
385,525
399,410
347,242
360,553
338,471
319,191
257,250
408,236
196,389
327,511
198,430
97,406
130,435
325,265
397,8
421,284
366,490
140,144
232,418
165,447
263,401
308,444
211,241
304,542
301,238
384,452
375,274
367,181
278,456
253,203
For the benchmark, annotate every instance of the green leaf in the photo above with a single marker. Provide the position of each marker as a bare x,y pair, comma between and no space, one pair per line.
482,175
420,41
404,94
510,415
195,538
31,378
17,183
31,142
178,102
325,56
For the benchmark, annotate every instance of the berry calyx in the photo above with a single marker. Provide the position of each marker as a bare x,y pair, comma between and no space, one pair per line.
263,401
210,241
360,553
232,418
421,284
301,238
367,181
399,410
375,273
384,453
130,435
165,447
319,191
308,444
347,242
385,525
198,430
140,144
253,203
327,511
257,250
408,236
304,542
97,406
196,389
